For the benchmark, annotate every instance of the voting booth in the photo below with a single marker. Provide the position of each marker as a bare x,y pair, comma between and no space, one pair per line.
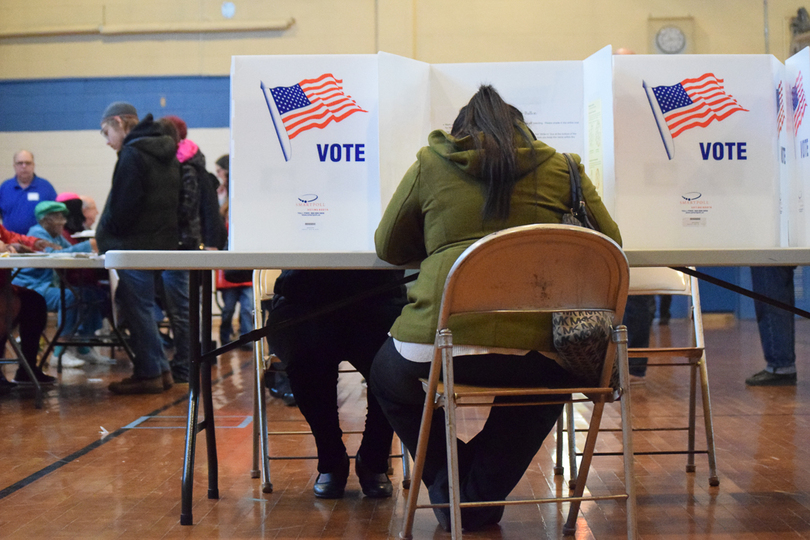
687,151
698,158
797,71
320,143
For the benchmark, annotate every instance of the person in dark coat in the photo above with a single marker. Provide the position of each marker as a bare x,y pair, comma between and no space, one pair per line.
140,213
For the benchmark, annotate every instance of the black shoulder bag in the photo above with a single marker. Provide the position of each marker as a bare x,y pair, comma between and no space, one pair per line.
581,337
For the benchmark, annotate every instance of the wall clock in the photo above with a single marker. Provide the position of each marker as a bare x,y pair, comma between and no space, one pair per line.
670,40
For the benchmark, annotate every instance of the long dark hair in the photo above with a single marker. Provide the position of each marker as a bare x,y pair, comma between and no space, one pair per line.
491,123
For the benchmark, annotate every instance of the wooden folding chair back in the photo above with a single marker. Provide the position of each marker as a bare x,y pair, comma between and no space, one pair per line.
534,268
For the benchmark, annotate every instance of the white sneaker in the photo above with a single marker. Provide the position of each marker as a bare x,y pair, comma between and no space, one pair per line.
94,357
70,360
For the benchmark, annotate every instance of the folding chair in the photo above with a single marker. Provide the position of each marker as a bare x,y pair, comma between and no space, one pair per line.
530,269
651,281
115,338
263,282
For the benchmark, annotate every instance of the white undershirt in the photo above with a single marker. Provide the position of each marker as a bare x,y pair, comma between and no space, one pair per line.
423,352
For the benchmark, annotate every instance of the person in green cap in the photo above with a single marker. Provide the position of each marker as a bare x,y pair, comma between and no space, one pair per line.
51,218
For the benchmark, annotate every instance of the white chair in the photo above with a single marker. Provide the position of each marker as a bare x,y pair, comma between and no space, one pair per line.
653,281
535,269
263,282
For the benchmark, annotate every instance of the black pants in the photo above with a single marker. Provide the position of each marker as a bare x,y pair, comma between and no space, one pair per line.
312,350
493,462
638,317
31,320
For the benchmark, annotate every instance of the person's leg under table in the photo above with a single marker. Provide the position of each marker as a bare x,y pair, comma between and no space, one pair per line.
136,293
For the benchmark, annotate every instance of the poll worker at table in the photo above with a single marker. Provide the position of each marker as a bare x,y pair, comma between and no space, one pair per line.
20,194
311,350
488,174
140,213
23,308
81,312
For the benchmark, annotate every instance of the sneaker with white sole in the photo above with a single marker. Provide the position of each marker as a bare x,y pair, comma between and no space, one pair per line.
70,360
93,357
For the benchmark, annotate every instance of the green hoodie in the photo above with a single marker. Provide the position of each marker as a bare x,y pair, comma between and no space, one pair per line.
435,214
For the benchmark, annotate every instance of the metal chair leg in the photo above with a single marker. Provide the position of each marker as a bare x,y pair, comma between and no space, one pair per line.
572,445
708,422
22,361
559,469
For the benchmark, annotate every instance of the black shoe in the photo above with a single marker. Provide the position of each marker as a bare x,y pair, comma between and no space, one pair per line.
331,485
766,378
179,372
472,519
6,386
22,378
439,494
279,386
375,485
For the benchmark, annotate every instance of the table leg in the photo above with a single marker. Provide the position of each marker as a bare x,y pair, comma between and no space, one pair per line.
205,386
193,396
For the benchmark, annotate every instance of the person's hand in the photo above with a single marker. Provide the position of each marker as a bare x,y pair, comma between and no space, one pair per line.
6,248
41,244
94,245
19,248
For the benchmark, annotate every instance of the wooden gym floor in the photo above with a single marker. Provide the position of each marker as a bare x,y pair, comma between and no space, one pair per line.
95,465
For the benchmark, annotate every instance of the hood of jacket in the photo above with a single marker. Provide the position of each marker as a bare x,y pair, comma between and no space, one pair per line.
186,150
146,137
197,159
463,154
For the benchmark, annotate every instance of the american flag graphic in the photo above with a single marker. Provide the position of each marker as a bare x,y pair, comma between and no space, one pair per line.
780,107
695,103
312,103
799,104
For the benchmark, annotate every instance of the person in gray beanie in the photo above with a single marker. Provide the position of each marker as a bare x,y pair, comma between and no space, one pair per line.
140,213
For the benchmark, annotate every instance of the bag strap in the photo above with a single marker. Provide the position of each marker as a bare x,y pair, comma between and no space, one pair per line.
578,208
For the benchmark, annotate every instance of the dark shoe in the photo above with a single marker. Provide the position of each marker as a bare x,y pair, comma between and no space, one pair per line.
167,379
375,485
22,378
766,378
477,518
439,494
224,339
279,386
6,386
131,385
472,519
179,373
331,485
663,321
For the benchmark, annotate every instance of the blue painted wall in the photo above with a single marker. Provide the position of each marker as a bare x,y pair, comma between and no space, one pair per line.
715,299
77,104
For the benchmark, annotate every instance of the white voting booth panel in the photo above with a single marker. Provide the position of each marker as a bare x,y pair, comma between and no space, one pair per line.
319,143
692,175
797,71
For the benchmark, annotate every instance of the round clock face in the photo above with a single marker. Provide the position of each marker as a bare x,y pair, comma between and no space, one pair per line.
670,40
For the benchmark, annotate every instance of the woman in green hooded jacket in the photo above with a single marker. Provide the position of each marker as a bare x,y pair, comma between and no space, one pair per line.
489,174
